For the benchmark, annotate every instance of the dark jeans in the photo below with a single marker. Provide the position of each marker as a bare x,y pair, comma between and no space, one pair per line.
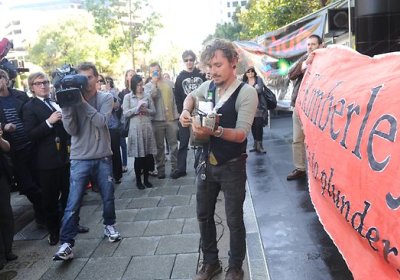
183,137
229,177
257,129
6,219
55,188
124,152
116,157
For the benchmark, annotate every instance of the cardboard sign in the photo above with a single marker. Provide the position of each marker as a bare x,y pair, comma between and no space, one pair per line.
349,105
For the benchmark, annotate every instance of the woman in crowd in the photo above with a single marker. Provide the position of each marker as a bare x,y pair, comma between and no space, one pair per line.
138,107
101,83
128,76
6,214
251,78
114,125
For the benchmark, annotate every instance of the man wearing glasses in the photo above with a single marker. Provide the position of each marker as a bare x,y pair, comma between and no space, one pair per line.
11,103
43,124
188,80
165,121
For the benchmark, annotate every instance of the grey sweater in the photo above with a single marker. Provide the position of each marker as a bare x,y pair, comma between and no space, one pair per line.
87,125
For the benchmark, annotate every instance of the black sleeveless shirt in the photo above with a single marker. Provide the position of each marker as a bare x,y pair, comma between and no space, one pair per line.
225,150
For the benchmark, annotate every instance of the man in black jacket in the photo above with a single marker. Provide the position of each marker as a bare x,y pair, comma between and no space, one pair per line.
187,81
11,103
43,125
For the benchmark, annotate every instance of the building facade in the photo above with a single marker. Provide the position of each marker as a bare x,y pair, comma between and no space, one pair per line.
228,9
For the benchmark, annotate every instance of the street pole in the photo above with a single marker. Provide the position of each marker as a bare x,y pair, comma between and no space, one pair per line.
132,38
349,13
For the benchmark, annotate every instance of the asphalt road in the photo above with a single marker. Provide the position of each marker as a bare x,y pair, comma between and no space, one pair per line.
295,244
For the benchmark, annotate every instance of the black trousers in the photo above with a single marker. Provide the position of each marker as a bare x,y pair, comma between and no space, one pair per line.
183,137
116,157
27,180
6,219
257,129
55,189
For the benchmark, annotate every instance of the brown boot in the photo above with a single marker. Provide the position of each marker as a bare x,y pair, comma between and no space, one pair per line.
208,271
234,273
296,174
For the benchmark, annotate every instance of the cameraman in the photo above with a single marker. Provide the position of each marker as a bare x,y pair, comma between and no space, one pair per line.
90,158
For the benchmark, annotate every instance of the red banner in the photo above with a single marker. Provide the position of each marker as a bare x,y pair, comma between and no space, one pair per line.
349,107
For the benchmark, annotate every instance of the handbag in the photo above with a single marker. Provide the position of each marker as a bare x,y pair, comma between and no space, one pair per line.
270,98
124,130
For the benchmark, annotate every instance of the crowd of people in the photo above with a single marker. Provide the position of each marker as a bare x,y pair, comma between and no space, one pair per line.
55,152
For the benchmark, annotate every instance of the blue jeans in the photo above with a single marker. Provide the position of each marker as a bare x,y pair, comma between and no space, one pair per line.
230,177
99,170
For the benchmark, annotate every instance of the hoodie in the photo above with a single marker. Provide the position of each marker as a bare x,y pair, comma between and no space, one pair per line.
185,83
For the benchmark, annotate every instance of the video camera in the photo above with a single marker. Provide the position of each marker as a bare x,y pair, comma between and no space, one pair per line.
68,85
11,67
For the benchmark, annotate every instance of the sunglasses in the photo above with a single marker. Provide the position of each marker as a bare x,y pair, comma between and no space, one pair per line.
44,83
188,59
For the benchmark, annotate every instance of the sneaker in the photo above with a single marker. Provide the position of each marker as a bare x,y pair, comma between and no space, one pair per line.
208,271
234,273
64,253
112,234
296,174
124,169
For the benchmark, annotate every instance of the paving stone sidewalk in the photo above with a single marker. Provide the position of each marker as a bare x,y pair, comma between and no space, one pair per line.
159,229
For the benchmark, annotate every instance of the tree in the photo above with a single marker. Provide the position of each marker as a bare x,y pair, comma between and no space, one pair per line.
118,20
262,16
70,41
230,31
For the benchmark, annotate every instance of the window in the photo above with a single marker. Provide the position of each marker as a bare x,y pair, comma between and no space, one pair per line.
228,4
235,3
243,3
229,14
